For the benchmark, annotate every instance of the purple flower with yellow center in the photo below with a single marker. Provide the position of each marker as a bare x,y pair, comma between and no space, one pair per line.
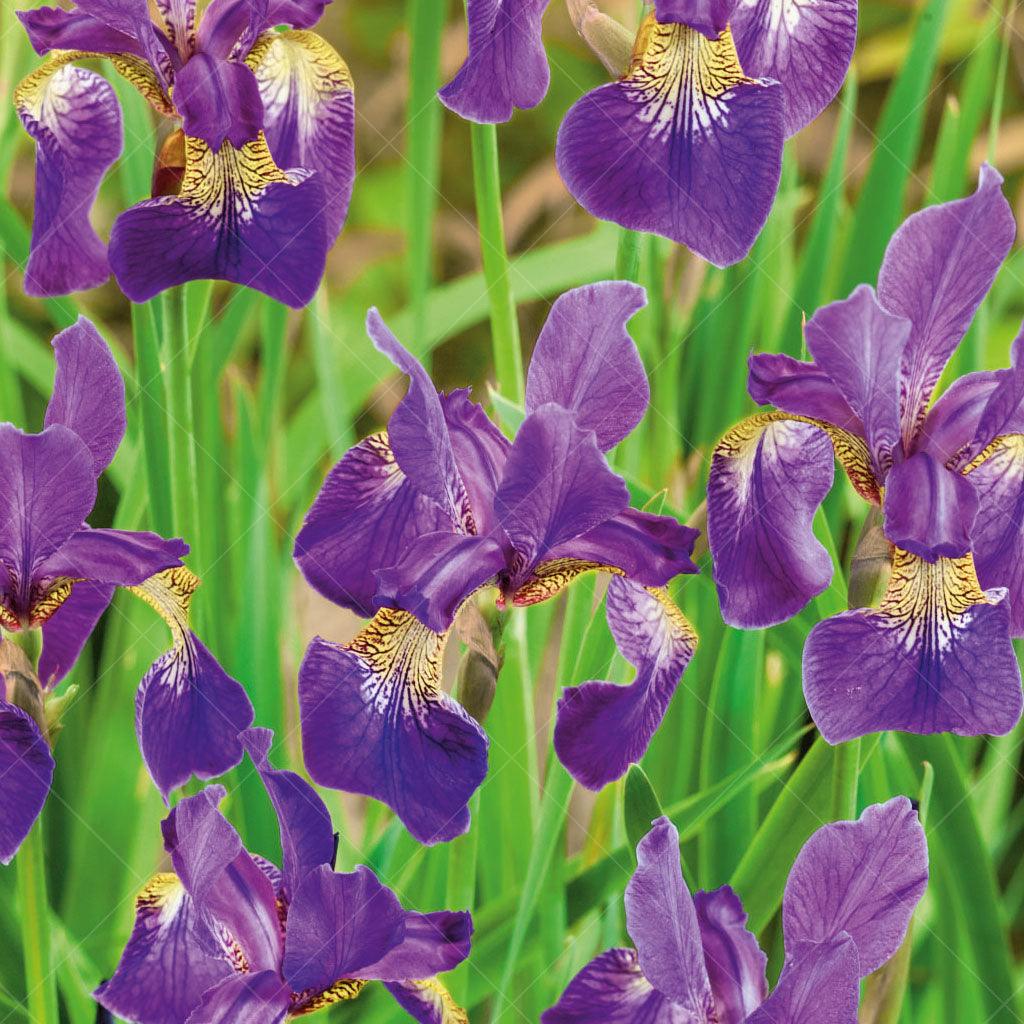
252,180
410,524
687,142
847,903
58,574
228,937
947,479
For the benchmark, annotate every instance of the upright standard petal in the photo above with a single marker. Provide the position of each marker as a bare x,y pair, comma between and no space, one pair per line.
929,510
219,102
709,17
506,66
806,46
586,362
309,112
26,767
557,486
188,710
172,957
68,627
768,476
937,268
88,391
685,146
74,117
800,388
238,217
735,962
935,656
376,721
365,517
662,922
253,997
602,728
861,877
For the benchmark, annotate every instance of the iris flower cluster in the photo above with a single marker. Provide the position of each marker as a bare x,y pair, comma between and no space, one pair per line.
687,142
254,172
947,478
846,907
411,523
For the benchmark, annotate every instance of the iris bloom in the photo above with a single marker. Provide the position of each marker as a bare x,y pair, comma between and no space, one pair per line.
687,143
228,937
410,524
253,178
58,574
948,477
847,904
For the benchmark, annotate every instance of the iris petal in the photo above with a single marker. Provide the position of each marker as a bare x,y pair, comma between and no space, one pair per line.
26,767
428,1002
256,998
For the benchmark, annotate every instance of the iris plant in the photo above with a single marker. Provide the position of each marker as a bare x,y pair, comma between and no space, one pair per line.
254,173
848,901
687,142
228,937
58,574
947,478
410,524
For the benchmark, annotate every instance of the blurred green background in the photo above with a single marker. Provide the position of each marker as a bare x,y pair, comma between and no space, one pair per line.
276,396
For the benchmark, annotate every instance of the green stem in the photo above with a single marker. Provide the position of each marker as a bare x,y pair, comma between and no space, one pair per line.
461,892
845,771
627,256
40,977
508,356
177,370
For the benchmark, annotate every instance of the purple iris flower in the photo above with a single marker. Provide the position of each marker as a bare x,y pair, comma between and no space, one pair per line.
411,523
948,478
687,143
848,901
58,574
228,937
253,178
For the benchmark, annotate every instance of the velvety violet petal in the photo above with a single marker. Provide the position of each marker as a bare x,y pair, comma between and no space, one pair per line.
653,152
1004,411
709,17
768,476
806,46
88,391
47,488
586,361
237,218
375,721
188,714
613,990
427,1001
338,924
557,485
857,344
438,574
818,985
26,771
432,944
227,885
53,28
929,509
861,877
309,111
74,117
506,66
800,388
417,430
662,922
224,22
366,515
307,835
735,962
122,557
649,549
997,538
602,728
252,998
937,268
935,656
131,18
171,959
219,101
67,629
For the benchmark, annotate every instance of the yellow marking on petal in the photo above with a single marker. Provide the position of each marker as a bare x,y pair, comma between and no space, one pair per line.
1011,445
163,892
46,604
300,57
681,630
431,991
552,577
341,991
169,594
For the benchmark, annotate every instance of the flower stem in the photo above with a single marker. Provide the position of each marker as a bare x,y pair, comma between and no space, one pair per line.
40,978
508,356
177,361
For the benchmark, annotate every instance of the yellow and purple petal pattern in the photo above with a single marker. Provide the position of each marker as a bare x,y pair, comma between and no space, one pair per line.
428,1001
685,145
935,656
